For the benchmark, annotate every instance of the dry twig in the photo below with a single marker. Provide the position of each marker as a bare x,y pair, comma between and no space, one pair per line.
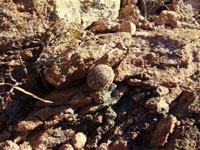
26,92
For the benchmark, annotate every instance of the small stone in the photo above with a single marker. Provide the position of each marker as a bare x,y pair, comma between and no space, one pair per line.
79,140
104,26
170,17
161,90
50,138
120,91
25,146
28,124
157,105
9,145
164,128
127,27
100,77
129,11
146,25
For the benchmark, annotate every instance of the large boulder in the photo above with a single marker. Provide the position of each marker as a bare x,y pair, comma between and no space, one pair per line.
69,10
87,12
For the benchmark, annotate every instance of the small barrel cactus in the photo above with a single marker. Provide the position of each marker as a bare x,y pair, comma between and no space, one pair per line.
100,77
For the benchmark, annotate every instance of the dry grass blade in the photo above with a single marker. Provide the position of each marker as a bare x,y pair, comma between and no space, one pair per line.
26,92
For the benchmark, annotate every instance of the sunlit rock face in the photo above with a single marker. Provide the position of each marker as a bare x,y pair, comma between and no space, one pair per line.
87,12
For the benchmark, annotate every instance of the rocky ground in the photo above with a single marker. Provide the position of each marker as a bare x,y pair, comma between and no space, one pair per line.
103,75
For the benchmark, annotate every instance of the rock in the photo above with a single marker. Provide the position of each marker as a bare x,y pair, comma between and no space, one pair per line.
161,90
47,139
95,10
79,140
174,93
52,73
66,147
120,91
164,128
130,13
127,27
136,63
63,113
87,12
72,13
80,100
28,124
159,66
25,146
44,113
118,145
104,26
9,145
109,116
21,19
143,34
129,66
170,17
159,21
100,77
104,96
185,99
184,136
134,82
158,105
147,25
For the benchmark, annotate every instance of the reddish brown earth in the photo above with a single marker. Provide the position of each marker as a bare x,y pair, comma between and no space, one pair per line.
153,52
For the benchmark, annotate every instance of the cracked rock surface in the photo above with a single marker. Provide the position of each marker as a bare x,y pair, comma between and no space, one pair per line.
128,77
